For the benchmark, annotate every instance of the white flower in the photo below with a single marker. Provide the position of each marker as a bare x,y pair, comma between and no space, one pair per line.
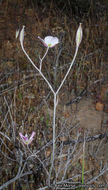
79,35
49,41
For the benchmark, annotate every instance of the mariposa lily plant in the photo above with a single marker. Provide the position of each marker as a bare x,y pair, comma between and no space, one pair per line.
25,138
50,42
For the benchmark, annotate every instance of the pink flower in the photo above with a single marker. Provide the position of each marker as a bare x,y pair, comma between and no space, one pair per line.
49,41
25,138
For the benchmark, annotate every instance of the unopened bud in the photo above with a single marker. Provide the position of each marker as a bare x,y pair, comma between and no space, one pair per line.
22,35
79,35
17,33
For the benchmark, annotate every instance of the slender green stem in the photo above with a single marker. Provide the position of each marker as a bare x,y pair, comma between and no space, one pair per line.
54,137
76,51
54,111
41,59
54,123
37,69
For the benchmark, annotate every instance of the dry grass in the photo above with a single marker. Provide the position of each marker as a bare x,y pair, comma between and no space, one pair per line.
26,102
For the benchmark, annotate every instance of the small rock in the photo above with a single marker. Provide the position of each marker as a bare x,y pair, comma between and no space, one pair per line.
99,106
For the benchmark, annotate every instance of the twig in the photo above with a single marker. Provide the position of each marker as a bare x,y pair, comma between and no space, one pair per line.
105,169
17,176
87,139
14,179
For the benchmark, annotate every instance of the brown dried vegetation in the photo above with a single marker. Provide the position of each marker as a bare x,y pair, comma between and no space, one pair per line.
26,102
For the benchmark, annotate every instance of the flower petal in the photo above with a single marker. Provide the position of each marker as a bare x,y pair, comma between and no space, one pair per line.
54,41
51,41
32,135
24,138
48,40
31,138
21,135
42,41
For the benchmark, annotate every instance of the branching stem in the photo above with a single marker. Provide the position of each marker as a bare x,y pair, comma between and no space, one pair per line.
55,93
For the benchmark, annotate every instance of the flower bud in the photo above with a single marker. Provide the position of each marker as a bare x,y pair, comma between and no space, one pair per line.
17,33
22,35
79,35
